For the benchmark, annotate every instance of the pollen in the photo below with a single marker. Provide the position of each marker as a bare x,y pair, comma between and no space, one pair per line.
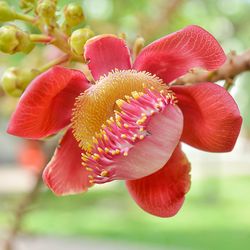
97,104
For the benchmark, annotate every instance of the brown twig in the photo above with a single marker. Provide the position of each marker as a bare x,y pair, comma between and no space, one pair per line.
235,65
21,211
23,207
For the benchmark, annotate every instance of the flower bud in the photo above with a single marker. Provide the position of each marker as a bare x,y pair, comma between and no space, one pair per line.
46,9
26,4
73,14
13,40
15,80
78,39
138,45
6,12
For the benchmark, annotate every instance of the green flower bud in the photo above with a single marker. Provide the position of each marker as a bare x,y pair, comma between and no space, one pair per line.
15,80
78,39
27,4
73,14
6,12
13,40
46,9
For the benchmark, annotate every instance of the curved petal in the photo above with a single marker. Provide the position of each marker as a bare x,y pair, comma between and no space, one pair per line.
163,193
139,141
64,174
106,53
173,55
212,119
46,105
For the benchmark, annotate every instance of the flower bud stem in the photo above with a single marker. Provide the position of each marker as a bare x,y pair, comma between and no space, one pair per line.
40,38
52,63
25,18
60,39
66,28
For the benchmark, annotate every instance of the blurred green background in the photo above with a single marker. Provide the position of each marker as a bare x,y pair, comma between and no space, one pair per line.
216,214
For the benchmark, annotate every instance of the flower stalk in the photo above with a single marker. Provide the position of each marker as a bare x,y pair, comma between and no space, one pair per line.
24,17
57,61
40,38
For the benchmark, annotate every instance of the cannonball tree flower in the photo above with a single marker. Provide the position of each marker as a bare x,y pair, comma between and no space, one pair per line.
129,125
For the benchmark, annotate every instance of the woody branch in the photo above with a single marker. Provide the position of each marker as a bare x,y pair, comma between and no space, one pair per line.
235,65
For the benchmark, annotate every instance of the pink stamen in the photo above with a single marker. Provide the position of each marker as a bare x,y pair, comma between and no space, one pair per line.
123,131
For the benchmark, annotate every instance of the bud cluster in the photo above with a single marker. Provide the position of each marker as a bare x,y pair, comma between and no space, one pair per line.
65,36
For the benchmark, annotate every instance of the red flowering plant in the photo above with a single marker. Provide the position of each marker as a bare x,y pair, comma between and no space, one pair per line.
129,125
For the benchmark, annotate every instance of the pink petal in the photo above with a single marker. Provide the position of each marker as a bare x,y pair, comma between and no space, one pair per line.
139,142
212,119
106,53
163,193
173,55
46,105
64,174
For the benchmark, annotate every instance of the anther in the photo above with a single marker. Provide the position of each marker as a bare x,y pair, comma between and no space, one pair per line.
135,94
128,98
120,103
104,173
100,150
94,140
96,156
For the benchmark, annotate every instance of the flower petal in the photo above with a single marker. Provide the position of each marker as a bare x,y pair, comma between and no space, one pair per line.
139,141
46,105
163,193
64,174
173,55
212,119
106,53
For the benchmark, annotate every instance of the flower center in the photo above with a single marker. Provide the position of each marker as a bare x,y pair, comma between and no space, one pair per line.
97,104
135,142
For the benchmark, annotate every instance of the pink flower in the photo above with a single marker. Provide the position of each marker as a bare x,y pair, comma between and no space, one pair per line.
129,125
